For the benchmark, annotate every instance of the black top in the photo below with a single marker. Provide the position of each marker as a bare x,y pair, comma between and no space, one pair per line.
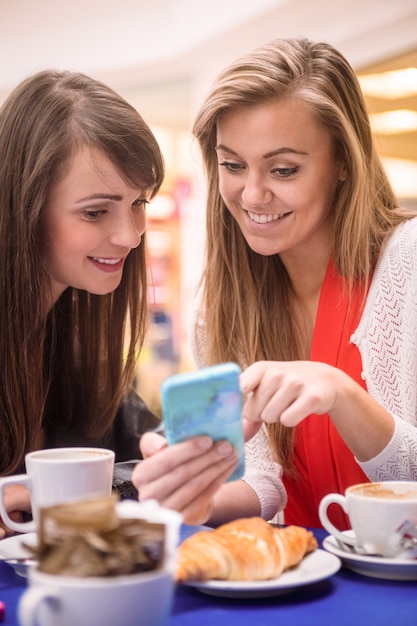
132,420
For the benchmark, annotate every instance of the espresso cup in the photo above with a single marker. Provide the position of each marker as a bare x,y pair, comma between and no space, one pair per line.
142,598
57,476
376,512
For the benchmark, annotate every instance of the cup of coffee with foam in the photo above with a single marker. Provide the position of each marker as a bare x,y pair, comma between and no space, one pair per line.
378,513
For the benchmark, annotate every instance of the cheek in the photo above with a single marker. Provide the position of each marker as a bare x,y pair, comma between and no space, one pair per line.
222,187
310,195
228,190
140,221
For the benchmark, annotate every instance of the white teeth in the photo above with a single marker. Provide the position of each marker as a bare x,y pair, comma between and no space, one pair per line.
264,218
106,261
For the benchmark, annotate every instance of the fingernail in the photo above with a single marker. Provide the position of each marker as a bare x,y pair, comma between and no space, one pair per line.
224,448
205,443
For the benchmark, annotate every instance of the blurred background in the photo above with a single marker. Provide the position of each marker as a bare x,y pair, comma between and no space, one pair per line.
162,56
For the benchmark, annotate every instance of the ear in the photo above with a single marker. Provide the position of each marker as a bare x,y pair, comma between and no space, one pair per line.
342,173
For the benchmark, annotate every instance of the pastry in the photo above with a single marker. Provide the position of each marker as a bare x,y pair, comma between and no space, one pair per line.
245,549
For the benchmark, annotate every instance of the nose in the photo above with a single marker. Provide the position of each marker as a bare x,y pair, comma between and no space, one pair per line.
256,191
128,229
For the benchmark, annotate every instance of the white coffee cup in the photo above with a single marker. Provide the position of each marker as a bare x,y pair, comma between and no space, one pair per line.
52,600
376,512
59,475
129,600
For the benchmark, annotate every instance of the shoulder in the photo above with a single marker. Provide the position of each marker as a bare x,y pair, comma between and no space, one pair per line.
392,291
404,237
398,256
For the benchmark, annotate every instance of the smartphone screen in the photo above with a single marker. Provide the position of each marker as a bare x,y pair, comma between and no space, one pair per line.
205,402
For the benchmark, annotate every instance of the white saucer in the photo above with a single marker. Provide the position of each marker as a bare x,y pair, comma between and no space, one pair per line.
14,548
314,567
374,566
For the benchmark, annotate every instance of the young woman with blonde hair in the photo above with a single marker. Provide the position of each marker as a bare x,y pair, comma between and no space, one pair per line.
309,284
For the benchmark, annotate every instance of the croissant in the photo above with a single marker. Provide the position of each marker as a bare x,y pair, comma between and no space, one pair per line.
245,549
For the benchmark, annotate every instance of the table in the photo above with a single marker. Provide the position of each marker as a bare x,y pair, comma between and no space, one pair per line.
345,599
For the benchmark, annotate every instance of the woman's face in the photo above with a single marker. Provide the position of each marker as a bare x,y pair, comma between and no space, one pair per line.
277,176
93,219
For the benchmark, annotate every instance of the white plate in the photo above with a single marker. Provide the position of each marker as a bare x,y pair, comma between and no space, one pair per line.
13,548
313,568
374,566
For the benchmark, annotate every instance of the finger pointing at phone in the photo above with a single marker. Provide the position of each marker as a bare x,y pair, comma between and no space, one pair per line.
288,392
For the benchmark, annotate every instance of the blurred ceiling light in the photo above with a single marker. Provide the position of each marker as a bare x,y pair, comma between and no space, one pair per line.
390,85
393,122
403,176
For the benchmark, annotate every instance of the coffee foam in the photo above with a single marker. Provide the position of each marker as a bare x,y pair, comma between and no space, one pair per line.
68,455
378,490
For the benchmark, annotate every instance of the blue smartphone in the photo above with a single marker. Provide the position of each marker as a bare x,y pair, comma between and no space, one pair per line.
205,402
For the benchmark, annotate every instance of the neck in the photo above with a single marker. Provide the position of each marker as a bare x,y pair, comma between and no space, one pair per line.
307,277
307,280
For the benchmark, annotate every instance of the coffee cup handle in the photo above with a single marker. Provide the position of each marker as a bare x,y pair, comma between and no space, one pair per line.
335,498
31,601
18,479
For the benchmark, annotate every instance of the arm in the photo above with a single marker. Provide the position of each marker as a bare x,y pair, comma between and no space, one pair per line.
232,501
17,501
387,340
290,391
398,461
189,477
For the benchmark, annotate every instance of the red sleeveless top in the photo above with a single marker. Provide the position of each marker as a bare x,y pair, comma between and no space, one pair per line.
323,462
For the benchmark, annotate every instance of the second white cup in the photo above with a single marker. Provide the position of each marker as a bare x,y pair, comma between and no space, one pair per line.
60,475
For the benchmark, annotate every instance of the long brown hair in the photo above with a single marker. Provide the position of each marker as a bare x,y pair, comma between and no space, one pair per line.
246,297
73,366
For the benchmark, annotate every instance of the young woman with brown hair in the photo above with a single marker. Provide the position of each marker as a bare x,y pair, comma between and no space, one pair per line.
78,165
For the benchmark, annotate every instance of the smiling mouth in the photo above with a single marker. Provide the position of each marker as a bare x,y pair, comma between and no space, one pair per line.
265,218
106,261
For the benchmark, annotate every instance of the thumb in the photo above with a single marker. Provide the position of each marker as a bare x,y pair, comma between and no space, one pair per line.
251,428
151,443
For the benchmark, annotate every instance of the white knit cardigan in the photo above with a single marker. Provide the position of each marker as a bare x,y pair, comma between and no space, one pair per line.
387,340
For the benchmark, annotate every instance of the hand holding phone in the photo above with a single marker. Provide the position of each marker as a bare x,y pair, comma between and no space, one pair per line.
205,402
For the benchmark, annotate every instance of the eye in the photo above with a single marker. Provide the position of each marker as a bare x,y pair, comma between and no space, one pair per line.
231,166
285,172
93,215
142,202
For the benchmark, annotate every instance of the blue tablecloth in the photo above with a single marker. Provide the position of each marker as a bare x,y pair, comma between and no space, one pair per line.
345,599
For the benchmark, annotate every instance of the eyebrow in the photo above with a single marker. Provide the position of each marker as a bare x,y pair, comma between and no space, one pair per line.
101,196
268,155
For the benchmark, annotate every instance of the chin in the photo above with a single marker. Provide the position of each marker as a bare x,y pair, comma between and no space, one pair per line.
102,292
263,250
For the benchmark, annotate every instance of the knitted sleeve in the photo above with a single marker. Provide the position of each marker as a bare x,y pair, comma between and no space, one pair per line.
387,340
263,474
398,461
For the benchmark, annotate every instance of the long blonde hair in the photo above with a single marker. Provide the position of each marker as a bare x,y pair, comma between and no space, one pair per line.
72,368
246,297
